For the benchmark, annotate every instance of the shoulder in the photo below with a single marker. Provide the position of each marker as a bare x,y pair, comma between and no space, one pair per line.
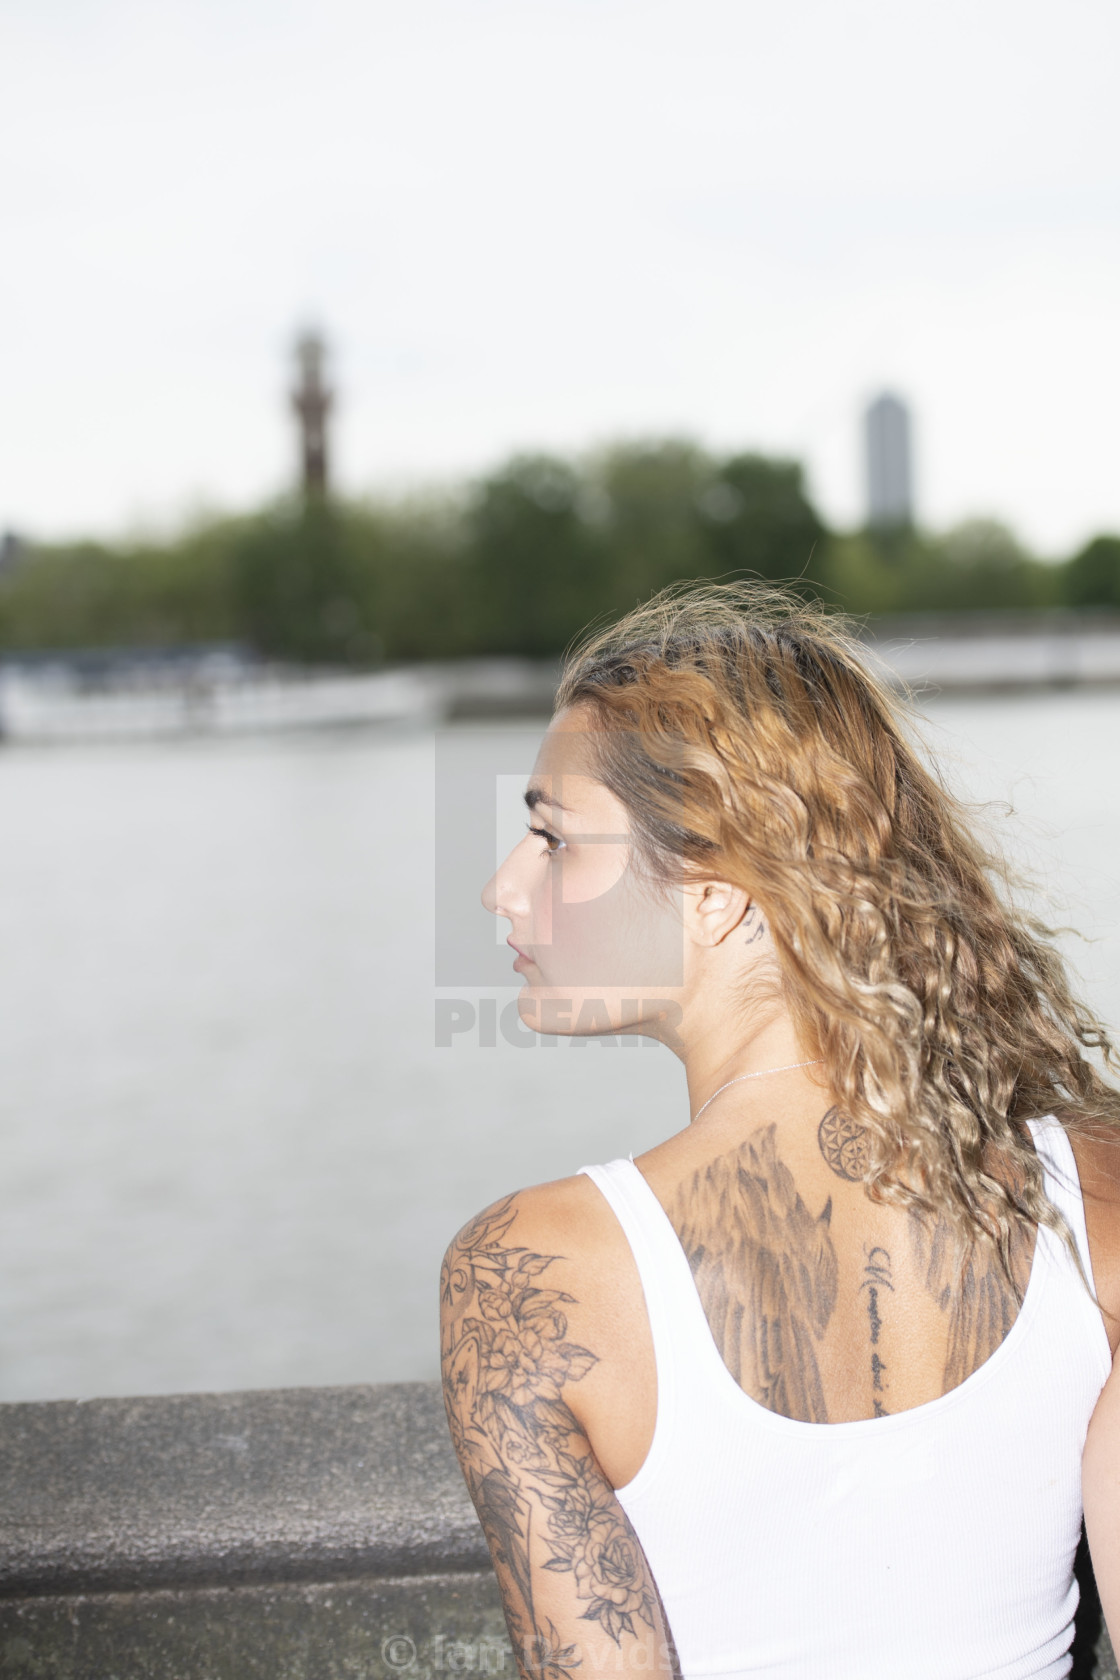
534,1252
540,1296
566,1220
505,1310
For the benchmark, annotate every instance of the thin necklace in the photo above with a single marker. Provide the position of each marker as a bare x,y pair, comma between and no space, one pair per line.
761,1074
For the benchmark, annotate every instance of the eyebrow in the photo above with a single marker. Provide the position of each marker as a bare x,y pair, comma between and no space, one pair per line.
535,796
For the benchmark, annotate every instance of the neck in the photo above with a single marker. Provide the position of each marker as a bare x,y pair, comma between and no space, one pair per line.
770,1045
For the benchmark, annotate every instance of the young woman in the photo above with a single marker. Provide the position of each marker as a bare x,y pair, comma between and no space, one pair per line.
804,1390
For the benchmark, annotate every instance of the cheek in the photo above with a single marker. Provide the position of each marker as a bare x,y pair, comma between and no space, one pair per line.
591,873
575,903
616,937
566,892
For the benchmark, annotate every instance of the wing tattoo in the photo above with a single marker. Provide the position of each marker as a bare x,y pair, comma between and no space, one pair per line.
765,1270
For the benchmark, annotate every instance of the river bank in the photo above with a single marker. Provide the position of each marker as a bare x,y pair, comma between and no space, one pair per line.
136,694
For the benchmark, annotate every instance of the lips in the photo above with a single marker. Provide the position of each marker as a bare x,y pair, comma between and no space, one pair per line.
522,956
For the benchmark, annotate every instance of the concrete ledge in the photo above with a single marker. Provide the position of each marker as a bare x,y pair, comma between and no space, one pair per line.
365,1630
275,1485
294,1534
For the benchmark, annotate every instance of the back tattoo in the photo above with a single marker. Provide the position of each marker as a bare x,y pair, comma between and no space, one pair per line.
767,1273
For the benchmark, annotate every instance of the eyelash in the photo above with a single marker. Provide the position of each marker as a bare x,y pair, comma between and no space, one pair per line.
545,835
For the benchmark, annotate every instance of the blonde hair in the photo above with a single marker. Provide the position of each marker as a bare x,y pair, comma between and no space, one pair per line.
746,735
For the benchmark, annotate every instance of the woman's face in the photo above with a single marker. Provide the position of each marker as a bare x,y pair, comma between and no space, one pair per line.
599,948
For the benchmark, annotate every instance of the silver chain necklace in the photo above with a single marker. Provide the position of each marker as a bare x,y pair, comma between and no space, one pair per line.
761,1074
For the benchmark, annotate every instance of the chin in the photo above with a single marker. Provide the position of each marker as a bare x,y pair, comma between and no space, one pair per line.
570,1011
546,1009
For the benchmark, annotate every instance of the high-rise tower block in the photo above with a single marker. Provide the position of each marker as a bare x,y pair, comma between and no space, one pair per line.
890,484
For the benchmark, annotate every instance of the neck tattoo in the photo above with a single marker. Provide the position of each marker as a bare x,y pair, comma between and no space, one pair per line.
761,1074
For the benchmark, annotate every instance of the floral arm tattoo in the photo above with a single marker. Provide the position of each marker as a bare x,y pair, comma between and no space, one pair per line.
575,1584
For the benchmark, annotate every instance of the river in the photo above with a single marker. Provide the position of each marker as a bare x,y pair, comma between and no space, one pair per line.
231,1149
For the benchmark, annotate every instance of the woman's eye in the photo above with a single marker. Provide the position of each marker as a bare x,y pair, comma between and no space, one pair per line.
552,841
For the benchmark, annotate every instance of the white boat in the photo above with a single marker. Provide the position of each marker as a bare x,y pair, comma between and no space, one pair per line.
57,700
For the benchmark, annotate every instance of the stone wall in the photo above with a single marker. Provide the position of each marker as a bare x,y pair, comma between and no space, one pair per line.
296,1534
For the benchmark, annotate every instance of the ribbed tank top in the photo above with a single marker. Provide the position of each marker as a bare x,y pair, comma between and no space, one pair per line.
930,1544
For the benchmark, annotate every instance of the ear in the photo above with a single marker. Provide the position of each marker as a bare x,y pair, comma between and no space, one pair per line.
714,909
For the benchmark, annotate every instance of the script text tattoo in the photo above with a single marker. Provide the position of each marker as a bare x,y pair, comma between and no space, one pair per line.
876,1279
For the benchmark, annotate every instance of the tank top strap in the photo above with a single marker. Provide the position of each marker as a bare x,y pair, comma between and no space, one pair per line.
682,1342
1062,1183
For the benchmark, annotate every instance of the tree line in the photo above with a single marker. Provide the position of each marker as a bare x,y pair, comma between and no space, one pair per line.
516,562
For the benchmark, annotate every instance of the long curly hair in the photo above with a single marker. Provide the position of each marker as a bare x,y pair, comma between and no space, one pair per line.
746,734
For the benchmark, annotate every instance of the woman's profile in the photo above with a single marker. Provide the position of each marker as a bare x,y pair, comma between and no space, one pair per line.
811,1388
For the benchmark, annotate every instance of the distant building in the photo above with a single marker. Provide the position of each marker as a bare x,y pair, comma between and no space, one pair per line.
890,483
312,400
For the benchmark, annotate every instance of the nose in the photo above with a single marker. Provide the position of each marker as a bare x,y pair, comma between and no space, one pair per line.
500,895
490,895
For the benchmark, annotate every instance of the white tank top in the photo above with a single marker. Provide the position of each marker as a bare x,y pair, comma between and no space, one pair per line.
930,1544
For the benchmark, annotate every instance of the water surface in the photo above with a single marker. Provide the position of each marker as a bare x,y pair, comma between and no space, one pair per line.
231,1152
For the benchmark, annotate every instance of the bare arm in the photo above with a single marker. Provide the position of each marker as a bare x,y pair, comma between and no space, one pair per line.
576,1588
1098,1166
1100,1477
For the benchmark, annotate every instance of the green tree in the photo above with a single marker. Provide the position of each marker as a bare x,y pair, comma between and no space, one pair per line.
981,564
1092,577
644,498
143,594
412,578
861,577
531,558
298,587
978,565
516,563
757,517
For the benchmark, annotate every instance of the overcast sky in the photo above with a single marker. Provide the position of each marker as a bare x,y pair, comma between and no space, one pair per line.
548,223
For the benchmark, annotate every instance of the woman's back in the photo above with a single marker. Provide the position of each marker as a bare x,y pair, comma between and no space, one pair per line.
934,1539
855,1469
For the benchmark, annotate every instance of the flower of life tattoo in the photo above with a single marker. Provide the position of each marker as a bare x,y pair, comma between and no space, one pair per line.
844,1146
